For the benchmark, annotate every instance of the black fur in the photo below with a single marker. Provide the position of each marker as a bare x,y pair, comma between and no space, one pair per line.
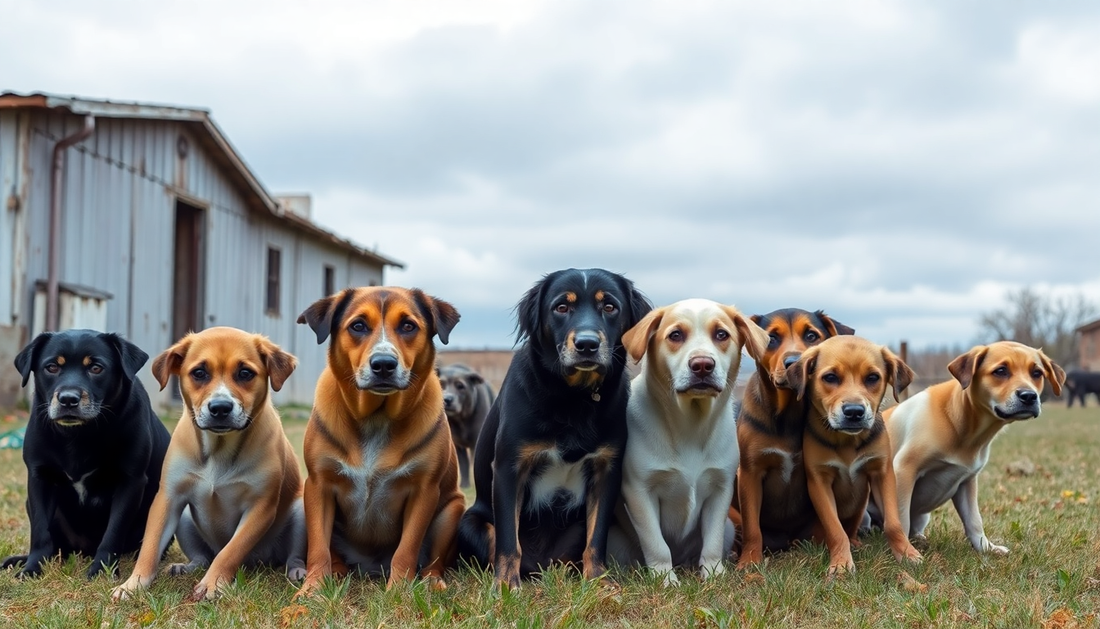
1081,383
544,402
467,399
114,455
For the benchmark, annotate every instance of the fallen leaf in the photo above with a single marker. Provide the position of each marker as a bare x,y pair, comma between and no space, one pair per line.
911,585
290,614
1060,619
753,577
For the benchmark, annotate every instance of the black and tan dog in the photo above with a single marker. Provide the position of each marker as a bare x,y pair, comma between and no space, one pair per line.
547,468
93,449
846,448
467,398
771,505
231,490
382,491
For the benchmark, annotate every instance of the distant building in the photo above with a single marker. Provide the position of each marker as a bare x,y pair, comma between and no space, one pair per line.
159,227
1088,356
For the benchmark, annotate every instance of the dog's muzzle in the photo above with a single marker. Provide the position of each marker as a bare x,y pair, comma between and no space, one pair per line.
222,414
1024,404
382,375
852,418
72,407
586,351
703,378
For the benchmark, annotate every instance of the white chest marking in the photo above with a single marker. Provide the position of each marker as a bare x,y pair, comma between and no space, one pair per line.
78,486
788,461
852,471
556,479
370,485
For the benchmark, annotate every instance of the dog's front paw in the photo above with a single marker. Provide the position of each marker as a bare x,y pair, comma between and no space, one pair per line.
123,592
210,588
840,567
310,585
436,584
712,568
13,561
296,573
176,569
993,549
103,562
908,553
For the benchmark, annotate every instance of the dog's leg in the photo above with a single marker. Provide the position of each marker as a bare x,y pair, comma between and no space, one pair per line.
463,465
418,516
194,547
444,542
605,478
164,517
254,524
320,514
125,505
820,485
41,509
886,486
294,537
644,511
966,503
750,495
507,485
906,482
714,517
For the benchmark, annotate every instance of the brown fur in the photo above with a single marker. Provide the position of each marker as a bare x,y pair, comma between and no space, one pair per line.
424,504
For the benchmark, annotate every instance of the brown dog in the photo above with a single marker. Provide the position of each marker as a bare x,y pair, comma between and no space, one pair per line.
382,492
230,490
771,504
846,448
941,436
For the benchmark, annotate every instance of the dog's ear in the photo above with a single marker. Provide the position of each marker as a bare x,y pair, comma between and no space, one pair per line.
897,372
529,310
639,306
636,339
28,356
168,362
1054,373
834,327
756,339
799,373
965,366
280,364
442,316
132,357
322,314
474,379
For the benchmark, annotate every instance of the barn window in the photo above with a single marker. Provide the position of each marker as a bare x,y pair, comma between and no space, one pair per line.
274,266
330,281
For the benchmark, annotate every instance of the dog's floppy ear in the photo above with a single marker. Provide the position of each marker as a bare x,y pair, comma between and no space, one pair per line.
897,372
1054,373
321,313
965,366
639,306
441,316
133,357
834,327
756,339
167,363
798,374
474,378
28,356
636,339
280,364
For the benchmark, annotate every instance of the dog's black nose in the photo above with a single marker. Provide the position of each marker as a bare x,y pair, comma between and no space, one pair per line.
853,412
448,400
1027,396
701,365
220,408
69,398
790,360
383,366
587,343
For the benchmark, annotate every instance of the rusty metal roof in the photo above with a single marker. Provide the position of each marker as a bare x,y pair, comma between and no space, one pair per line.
263,200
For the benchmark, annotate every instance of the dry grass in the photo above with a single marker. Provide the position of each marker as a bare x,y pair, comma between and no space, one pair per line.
1051,579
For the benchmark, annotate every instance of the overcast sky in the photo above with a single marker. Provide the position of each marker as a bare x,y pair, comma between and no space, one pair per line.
900,165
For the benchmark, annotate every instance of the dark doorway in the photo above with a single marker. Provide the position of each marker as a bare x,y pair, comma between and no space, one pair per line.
187,274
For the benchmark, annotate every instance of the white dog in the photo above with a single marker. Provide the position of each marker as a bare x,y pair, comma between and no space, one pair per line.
681,453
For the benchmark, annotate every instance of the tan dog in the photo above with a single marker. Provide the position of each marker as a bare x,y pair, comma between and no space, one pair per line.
382,493
846,449
942,435
231,489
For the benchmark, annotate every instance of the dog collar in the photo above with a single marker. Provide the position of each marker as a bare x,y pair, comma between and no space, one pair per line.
596,394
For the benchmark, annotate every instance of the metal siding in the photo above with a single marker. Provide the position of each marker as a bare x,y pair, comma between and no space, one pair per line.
9,165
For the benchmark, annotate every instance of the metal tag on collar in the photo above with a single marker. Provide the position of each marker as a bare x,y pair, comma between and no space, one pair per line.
595,395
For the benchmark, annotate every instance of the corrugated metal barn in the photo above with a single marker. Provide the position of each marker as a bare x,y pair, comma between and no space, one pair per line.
158,227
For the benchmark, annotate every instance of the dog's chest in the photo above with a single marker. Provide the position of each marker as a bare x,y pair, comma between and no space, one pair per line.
852,473
80,486
939,482
557,483
371,480
221,488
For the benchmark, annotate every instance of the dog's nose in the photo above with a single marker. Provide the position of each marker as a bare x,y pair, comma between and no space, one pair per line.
1027,396
701,365
587,343
69,398
853,412
448,400
790,360
219,408
383,366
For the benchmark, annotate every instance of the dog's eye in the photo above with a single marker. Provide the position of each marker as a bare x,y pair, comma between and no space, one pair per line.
610,308
811,336
831,378
721,335
199,374
408,327
561,308
245,374
1037,373
53,368
773,340
359,327
460,386
1001,372
676,336
872,378
95,369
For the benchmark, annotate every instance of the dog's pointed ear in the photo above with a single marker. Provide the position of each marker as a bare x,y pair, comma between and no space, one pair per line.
799,373
1054,373
321,314
966,365
28,356
898,373
755,338
834,327
636,339
442,317
132,357
279,363
168,362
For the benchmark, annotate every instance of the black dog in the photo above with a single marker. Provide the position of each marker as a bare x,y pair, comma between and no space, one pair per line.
466,400
1079,384
556,433
93,449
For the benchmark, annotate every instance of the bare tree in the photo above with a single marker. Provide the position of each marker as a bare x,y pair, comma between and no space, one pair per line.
1039,320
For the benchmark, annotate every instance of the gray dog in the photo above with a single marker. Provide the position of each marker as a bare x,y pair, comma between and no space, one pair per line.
466,400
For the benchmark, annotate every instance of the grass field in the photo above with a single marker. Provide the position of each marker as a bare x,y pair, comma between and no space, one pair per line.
1051,579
